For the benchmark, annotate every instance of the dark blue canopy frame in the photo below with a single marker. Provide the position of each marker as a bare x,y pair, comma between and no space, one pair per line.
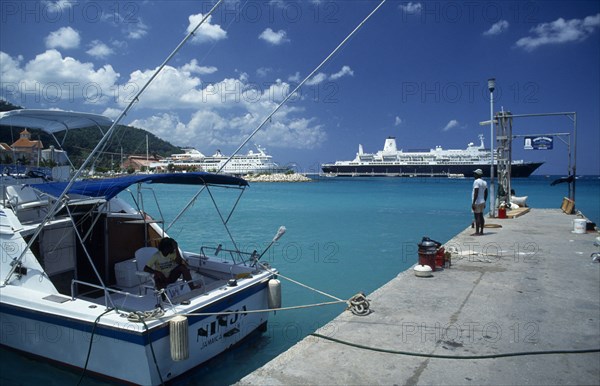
110,187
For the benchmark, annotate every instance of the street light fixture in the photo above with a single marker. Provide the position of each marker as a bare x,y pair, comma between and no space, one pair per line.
492,87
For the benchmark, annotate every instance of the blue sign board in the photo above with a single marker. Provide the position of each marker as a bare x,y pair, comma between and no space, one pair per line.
539,143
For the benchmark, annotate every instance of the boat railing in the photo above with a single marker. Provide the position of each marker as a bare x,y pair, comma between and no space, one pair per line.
106,290
237,257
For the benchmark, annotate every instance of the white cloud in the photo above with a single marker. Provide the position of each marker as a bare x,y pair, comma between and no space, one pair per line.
263,71
10,69
560,31
497,28
398,121
65,37
193,68
450,125
50,77
59,5
321,76
272,37
295,78
316,79
226,112
222,113
208,130
206,32
130,23
136,30
166,126
411,7
99,50
111,112
346,70
170,88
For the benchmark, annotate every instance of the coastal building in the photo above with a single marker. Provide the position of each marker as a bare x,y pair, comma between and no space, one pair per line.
139,162
55,156
27,149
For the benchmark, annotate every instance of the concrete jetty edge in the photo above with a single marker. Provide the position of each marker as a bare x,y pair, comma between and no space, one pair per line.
527,286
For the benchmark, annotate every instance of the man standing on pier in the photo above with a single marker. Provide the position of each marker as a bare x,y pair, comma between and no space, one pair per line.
479,197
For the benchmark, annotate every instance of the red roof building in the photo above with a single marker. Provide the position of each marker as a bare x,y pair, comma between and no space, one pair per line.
24,147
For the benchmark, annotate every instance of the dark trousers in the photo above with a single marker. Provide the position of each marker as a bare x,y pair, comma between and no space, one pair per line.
174,275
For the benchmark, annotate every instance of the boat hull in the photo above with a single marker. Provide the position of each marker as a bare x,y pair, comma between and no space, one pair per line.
125,351
383,170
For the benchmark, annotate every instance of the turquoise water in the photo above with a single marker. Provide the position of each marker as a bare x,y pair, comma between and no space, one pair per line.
343,236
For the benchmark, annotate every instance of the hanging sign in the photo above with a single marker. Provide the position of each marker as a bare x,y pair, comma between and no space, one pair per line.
539,143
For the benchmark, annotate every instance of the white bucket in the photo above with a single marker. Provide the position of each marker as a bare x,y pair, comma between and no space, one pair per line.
579,225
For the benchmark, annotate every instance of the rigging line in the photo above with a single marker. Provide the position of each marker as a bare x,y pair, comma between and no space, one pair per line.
91,261
84,217
60,146
222,219
206,54
268,117
235,205
100,145
233,19
185,208
135,99
193,200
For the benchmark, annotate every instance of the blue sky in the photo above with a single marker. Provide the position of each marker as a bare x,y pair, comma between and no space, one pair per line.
416,70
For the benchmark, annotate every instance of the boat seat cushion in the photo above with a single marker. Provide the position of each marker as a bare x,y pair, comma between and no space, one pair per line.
24,197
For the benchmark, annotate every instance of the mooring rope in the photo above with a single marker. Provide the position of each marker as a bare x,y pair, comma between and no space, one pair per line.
266,268
141,316
264,310
443,356
359,305
359,308
89,353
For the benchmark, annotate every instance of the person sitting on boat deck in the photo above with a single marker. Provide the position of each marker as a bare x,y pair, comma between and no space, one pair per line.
479,197
167,266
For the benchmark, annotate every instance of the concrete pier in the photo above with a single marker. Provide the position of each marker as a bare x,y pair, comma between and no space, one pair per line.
528,286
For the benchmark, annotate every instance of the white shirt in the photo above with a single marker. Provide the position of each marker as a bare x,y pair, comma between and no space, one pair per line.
482,185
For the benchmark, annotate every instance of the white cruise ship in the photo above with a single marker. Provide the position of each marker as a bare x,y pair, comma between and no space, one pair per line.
436,162
249,163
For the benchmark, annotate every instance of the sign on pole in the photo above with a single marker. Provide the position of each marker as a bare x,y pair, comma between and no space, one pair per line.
538,143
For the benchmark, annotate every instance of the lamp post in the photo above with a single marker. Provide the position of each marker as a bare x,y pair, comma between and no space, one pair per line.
491,87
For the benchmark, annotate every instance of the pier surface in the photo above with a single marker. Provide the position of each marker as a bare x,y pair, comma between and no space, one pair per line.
529,286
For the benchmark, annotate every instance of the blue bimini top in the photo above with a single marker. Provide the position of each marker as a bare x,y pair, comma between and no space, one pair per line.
110,187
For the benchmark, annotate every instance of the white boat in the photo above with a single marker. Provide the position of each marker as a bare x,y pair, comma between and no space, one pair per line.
72,286
436,162
239,165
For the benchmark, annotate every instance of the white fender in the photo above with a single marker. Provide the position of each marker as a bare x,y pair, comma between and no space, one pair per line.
178,328
274,293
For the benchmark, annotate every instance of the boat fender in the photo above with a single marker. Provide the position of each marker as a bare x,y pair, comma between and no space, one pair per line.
423,271
274,293
178,327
